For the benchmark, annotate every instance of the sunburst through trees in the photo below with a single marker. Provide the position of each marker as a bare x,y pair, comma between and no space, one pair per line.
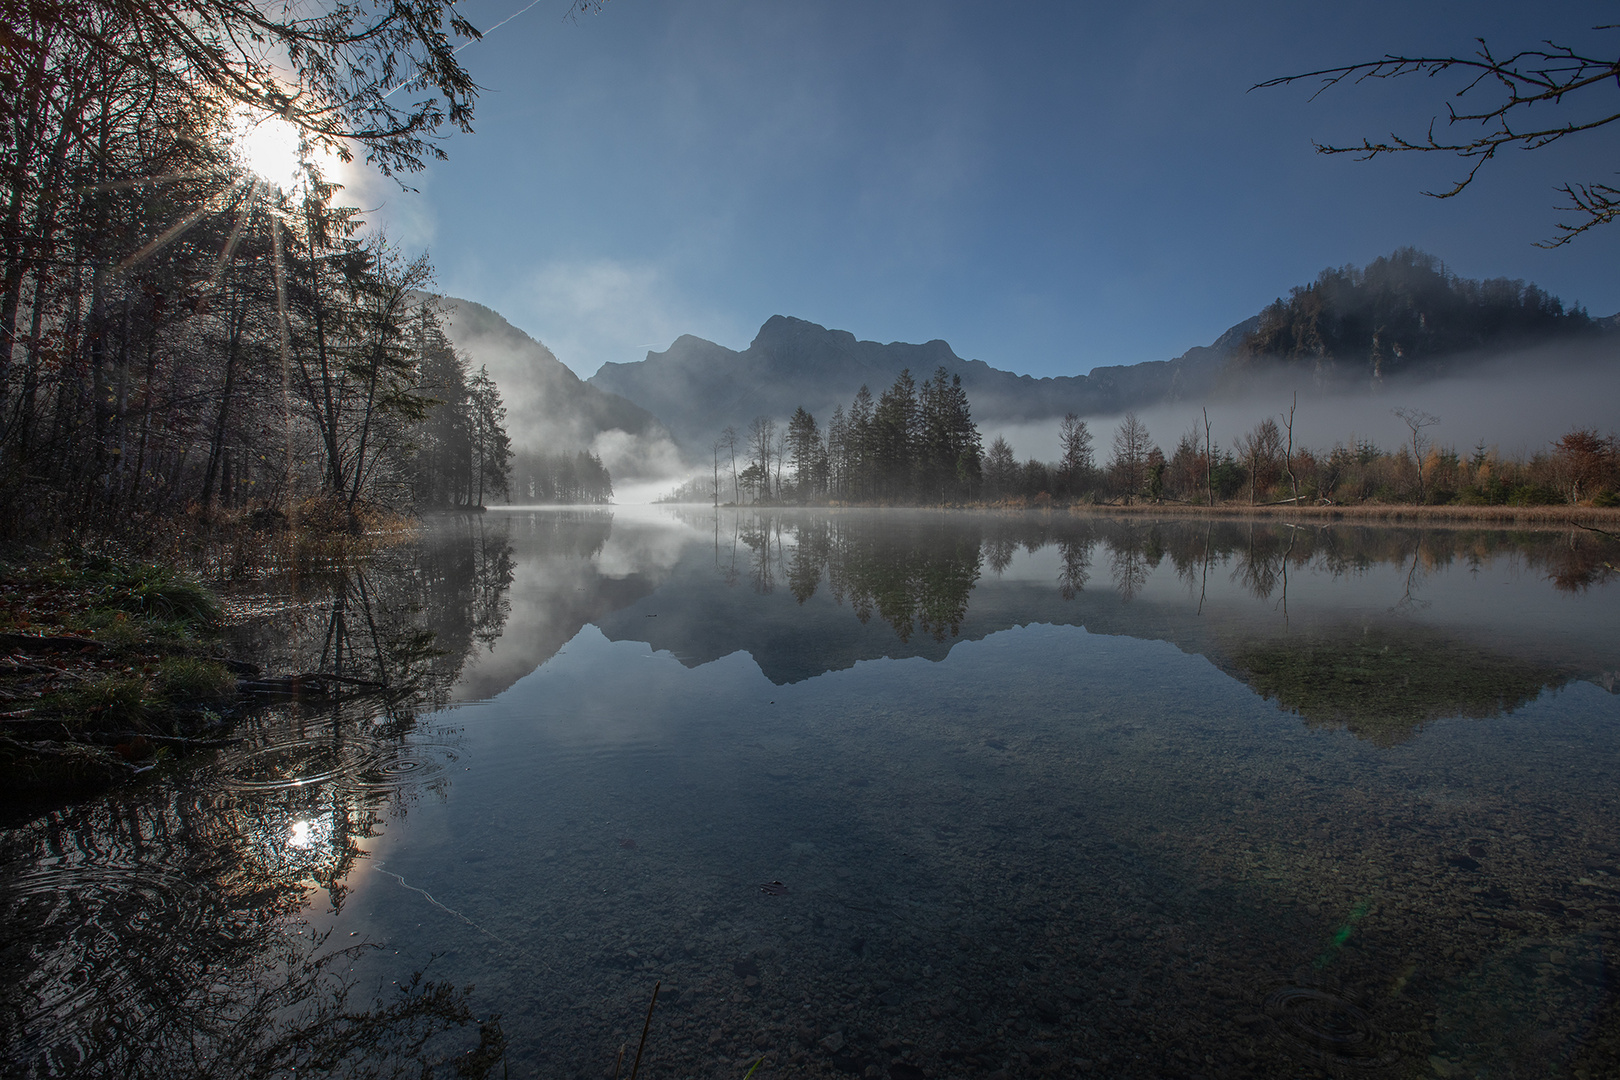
188,318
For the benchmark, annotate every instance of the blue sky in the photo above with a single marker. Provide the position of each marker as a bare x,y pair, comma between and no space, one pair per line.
1047,186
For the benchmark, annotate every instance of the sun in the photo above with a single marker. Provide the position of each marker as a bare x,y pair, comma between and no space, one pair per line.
275,151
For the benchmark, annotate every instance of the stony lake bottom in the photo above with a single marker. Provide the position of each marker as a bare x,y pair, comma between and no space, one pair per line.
875,793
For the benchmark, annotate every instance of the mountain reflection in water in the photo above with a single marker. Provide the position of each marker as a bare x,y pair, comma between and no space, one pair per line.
1363,636
1018,823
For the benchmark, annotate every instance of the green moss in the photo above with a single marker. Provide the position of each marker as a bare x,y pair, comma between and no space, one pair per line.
110,702
96,709
113,627
188,679
1383,684
139,701
158,595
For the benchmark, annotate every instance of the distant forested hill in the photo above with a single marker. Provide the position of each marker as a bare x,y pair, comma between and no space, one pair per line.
1405,313
548,406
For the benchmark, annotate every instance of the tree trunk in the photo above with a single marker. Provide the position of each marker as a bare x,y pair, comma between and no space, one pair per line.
216,446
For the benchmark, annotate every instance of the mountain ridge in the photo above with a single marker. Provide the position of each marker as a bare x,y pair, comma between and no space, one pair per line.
549,408
540,391
1403,317
697,387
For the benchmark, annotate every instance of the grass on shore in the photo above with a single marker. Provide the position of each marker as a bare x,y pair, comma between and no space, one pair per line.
105,663
107,660
108,647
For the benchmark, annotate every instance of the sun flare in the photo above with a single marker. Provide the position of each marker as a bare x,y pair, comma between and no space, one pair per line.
272,149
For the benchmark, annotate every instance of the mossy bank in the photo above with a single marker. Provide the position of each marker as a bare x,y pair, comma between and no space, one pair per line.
109,668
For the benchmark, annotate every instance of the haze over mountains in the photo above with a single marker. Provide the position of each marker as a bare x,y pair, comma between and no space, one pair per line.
699,387
548,407
1503,360
1401,320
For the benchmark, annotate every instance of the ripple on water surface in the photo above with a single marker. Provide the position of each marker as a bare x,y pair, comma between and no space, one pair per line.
69,925
1328,1027
120,915
362,758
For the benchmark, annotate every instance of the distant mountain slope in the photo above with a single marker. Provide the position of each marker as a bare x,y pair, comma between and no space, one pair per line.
548,407
698,388
1403,315
1406,312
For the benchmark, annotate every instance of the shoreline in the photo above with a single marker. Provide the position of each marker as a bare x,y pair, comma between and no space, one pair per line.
1544,516
112,666
1603,518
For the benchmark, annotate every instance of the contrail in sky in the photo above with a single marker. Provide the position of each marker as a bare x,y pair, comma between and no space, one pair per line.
498,25
481,36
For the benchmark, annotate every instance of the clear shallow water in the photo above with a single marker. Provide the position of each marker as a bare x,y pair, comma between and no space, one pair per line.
1031,813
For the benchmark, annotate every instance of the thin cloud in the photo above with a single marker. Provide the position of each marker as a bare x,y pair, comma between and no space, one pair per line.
602,310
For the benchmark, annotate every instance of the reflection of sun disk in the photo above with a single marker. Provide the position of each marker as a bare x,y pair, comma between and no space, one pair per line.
300,837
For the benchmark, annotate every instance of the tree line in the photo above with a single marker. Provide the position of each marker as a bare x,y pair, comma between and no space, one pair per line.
461,451
911,444
540,478
920,446
1269,464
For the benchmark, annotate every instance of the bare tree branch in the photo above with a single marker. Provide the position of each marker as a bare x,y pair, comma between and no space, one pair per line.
1525,89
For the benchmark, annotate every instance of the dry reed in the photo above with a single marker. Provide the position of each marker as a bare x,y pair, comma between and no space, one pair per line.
1519,516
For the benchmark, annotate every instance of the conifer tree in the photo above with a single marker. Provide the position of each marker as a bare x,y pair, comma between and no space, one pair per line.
804,444
895,438
860,451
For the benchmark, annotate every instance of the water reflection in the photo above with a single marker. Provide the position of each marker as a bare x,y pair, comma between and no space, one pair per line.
1037,850
1383,684
1369,656
155,932
1333,622
1022,846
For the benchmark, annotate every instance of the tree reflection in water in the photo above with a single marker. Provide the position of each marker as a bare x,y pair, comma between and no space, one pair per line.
156,931
1076,571
919,571
915,575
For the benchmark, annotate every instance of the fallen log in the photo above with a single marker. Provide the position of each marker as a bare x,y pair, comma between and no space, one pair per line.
31,643
310,683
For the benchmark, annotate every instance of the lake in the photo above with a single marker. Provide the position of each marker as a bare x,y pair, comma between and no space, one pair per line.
868,793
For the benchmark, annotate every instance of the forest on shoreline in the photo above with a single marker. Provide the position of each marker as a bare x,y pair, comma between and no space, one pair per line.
919,446
195,331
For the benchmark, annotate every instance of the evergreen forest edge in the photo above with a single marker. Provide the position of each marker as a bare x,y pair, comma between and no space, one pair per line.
919,446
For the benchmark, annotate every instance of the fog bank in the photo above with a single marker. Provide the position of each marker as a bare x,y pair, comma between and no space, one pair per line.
1517,404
